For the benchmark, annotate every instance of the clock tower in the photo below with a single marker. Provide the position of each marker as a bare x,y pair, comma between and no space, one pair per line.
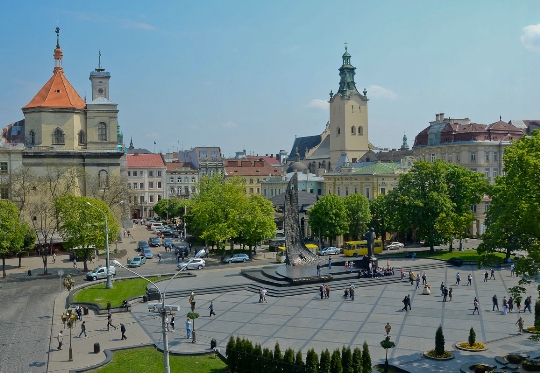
100,81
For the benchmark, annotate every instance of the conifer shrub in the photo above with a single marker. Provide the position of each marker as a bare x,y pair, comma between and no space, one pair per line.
366,359
312,361
357,360
325,362
335,362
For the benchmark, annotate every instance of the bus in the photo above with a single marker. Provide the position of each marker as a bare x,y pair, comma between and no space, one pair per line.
280,253
359,248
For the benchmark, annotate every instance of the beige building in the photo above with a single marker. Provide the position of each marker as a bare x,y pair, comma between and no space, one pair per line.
182,180
146,179
251,171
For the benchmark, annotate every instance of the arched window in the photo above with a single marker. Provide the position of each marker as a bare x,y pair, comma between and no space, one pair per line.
338,132
360,130
102,131
58,137
82,137
103,177
32,138
353,130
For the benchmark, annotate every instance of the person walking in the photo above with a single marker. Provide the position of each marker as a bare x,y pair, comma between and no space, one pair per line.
442,288
505,305
327,291
108,307
321,290
495,302
445,294
318,269
411,277
520,323
409,301
263,292
351,291
404,301
329,262
172,321
424,278
211,308
492,274
512,267
417,282
60,338
54,258
510,304
518,304
75,263
188,328
476,306
123,330
469,279
402,272
450,294
83,329
166,323
159,257
528,302
458,279
109,322
486,275
346,266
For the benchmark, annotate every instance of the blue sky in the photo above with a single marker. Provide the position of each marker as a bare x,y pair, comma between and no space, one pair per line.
252,75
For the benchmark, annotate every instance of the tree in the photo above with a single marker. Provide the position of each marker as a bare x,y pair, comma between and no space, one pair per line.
312,361
299,362
439,341
29,241
472,337
366,358
357,360
346,360
171,207
335,362
12,231
83,225
329,217
112,192
278,358
248,356
382,209
257,221
268,360
325,362
239,353
231,353
288,360
257,361
358,214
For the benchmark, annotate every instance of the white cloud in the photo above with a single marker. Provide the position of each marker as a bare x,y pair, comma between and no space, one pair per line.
380,92
193,127
229,124
531,37
317,103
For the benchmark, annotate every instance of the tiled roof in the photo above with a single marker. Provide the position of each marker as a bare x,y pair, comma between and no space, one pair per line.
57,93
270,160
173,166
303,144
145,161
378,168
245,167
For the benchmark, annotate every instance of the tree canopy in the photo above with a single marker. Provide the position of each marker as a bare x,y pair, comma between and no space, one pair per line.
329,217
12,230
358,214
171,207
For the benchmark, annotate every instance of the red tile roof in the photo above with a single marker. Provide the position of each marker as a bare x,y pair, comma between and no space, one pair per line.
248,167
57,93
271,160
173,166
145,161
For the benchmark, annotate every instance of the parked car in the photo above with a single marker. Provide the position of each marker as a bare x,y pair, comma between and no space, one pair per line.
395,246
137,261
100,272
154,241
141,245
236,258
195,263
148,253
329,251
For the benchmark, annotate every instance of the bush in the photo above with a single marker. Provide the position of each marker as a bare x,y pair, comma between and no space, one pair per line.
288,360
312,362
357,360
335,362
514,359
257,361
325,362
439,342
537,315
267,360
247,358
532,365
472,337
299,362
230,351
346,360
278,359
366,359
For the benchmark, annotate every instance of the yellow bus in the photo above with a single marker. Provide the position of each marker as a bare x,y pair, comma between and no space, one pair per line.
280,253
359,248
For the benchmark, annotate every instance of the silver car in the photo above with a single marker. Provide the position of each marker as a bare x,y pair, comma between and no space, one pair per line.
329,251
194,263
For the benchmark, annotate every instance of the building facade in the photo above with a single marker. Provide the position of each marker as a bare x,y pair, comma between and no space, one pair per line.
182,180
307,182
146,179
252,172
206,160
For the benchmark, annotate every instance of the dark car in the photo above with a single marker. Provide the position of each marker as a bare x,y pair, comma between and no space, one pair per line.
141,245
181,248
168,243
169,233
154,241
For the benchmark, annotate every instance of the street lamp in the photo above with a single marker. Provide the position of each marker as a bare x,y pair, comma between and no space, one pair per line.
387,344
70,317
161,308
109,284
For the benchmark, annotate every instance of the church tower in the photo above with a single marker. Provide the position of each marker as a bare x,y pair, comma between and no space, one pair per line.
100,81
348,117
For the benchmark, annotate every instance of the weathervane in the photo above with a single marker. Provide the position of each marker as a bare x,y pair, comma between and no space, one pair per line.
346,46
57,36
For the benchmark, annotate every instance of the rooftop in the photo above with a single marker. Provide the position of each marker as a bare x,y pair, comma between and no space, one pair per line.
145,161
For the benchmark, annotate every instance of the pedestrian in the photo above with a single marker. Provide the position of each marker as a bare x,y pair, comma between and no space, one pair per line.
505,305
492,274
469,279
83,329
123,330
108,307
511,269
411,277
129,233
166,323
442,288
450,294
211,308
75,263
424,278
518,304
54,258
346,266
329,262
458,279
318,269
109,322
172,321
495,302
417,282
159,257
60,338
510,304
476,306
260,295
404,301
486,275
351,291
263,292
190,245
188,328
445,294
520,323
528,302
327,291
124,233
402,273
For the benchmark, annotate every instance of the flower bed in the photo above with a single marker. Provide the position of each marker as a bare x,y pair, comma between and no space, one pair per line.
531,365
530,329
476,347
432,355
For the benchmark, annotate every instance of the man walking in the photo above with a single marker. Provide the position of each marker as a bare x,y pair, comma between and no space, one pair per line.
528,302
417,282
318,269
351,291
505,305
109,322
327,291
404,301
166,323
445,294
424,278
409,301
492,274
458,278
469,280
60,338
211,308
321,291
54,258
123,330
476,307
329,262
511,269
495,302
520,323
83,329
442,288
188,328
486,275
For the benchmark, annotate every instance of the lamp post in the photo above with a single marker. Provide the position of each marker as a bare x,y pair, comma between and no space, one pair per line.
70,317
387,344
109,284
163,312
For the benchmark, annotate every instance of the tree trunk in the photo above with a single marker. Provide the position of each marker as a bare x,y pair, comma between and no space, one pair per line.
20,259
44,259
85,262
431,248
250,252
450,248
508,252
4,266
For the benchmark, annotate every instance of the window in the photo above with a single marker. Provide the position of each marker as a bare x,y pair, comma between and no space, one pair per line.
487,157
141,185
102,131
179,179
367,193
202,153
179,190
103,177
150,185
338,131
32,137
383,191
473,157
251,181
192,189
3,167
251,190
214,153
135,185
151,198
141,199
432,158
82,137
159,197
258,191
457,157
193,179
473,208
129,185
264,192
339,191
495,157
352,108
186,190
158,173
486,206
134,173
171,179
129,173
4,192
159,184
495,173
442,157
449,158
58,137
353,130
486,172
186,180
150,173
346,191
355,190
360,130
319,192
172,191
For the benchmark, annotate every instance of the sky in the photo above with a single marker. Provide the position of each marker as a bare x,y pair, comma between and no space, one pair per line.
252,75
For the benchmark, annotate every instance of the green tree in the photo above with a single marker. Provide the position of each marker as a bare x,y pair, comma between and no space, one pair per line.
472,337
325,362
248,356
257,221
12,230
278,358
239,353
329,217
346,360
267,360
439,341
382,213
231,353
358,214
299,362
335,362
257,361
83,224
357,360
29,241
171,207
312,361
366,358
288,360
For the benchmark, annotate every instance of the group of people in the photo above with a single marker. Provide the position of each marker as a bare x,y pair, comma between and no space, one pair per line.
349,292
508,304
324,291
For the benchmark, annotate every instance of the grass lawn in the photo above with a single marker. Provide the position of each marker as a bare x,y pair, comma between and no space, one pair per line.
150,360
445,254
122,290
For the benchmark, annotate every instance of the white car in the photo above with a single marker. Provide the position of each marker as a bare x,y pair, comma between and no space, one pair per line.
329,251
395,246
194,263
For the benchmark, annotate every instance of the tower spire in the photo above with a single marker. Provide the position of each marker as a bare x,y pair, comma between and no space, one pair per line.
57,52
347,86
57,37
99,68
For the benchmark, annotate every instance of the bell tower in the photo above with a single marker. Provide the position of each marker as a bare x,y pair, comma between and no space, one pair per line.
100,81
348,116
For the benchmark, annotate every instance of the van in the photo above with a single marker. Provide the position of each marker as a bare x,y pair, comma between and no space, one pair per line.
156,225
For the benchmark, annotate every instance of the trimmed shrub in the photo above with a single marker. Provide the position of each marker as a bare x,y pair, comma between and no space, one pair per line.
231,353
299,362
267,360
325,362
439,341
346,360
239,354
472,337
357,360
335,362
366,359
278,359
257,361
247,347
288,360
312,362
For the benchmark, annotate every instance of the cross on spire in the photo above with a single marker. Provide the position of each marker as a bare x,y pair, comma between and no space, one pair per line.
346,46
57,37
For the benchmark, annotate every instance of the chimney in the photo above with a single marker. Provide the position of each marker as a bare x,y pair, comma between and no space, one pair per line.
441,117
